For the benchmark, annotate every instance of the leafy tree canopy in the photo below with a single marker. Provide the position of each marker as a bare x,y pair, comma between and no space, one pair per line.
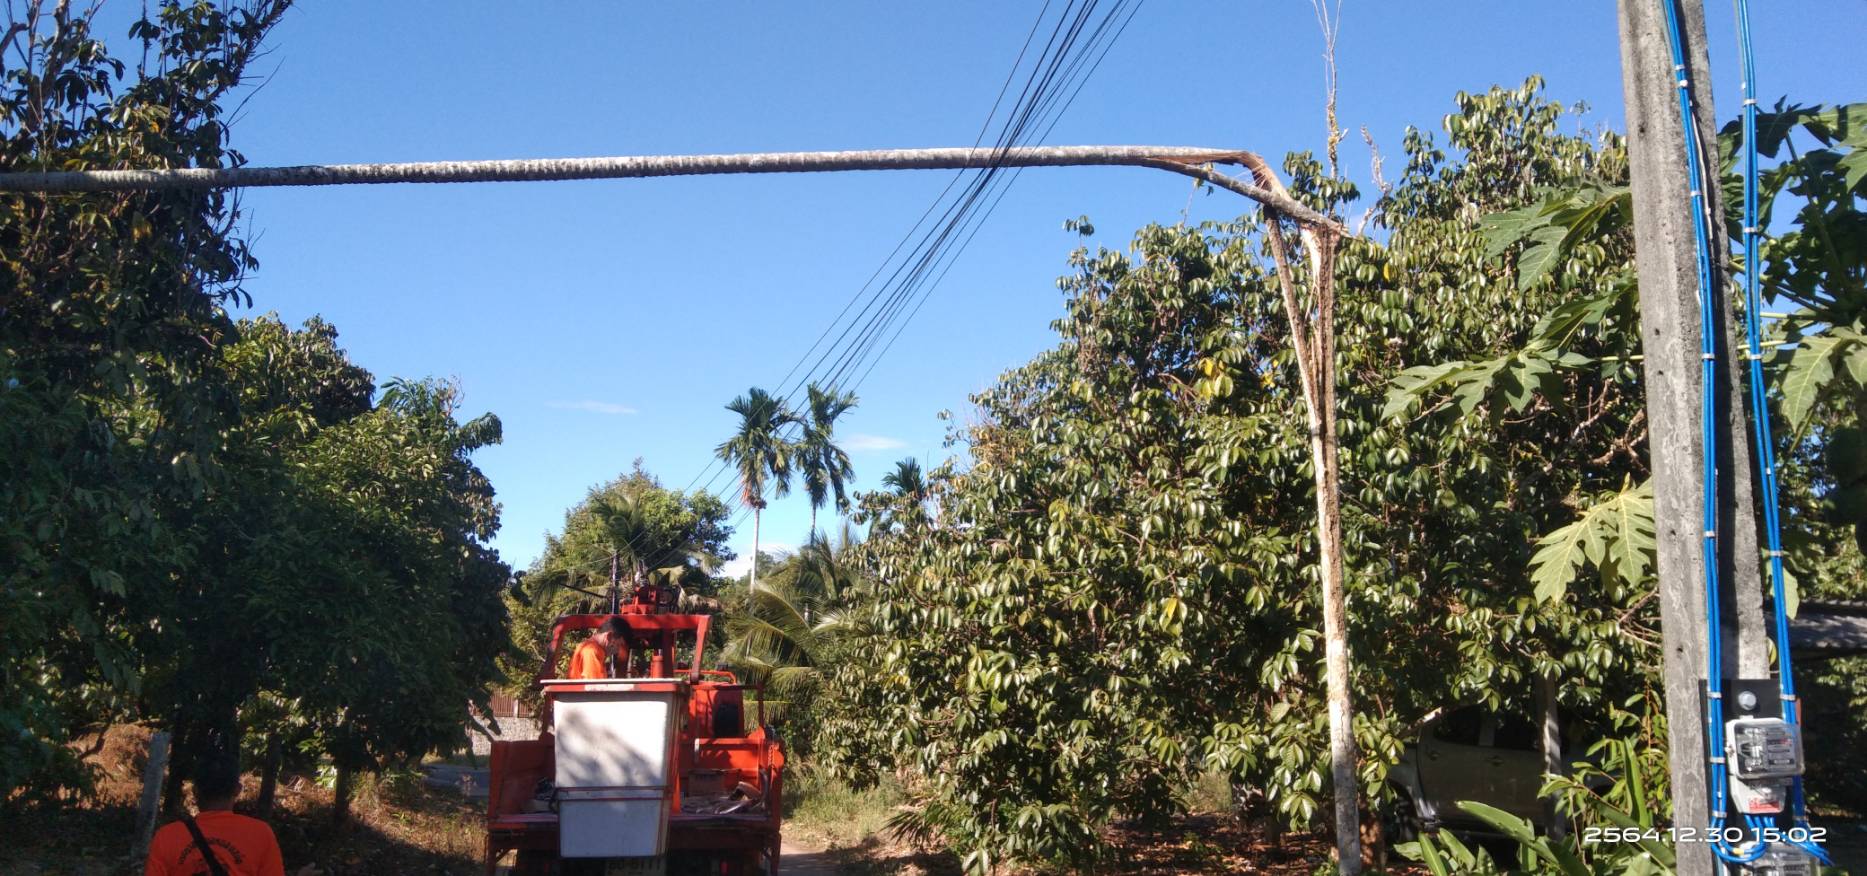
656,535
1118,591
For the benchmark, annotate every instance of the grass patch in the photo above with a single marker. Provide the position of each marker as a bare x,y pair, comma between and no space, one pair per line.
1210,794
823,811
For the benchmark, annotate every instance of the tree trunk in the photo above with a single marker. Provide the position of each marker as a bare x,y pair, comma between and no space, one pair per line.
1550,743
340,806
1191,161
753,586
269,774
146,811
1342,754
180,763
1313,342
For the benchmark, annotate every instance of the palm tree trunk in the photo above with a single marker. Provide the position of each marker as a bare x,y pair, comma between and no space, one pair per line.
753,587
1190,161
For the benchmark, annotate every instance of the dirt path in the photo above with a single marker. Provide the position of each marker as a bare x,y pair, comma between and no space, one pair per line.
470,781
796,861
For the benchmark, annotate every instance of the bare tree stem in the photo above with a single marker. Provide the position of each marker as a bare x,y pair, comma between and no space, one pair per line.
1186,160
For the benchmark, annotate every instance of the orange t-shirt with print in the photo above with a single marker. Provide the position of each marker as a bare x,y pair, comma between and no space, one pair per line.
244,846
590,660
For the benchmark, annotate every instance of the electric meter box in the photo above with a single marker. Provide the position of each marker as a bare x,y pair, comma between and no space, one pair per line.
1763,748
1782,861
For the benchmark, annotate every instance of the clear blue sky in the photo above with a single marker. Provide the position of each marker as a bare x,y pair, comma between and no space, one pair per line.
605,321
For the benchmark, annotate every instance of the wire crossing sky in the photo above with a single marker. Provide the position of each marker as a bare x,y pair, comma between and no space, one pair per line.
1055,75
609,321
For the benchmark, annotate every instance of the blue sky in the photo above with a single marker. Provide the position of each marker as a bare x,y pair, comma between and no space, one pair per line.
605,321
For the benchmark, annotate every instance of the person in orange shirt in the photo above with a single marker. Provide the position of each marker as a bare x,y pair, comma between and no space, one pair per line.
591,659
241,846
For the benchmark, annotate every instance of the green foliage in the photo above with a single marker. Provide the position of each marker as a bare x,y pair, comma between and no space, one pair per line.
793,630
1444,854
109,410
1614,535
657,536
1816,360
1552,226
758,450
902,501
1135,525
822,465
209,526
402,517
1631,770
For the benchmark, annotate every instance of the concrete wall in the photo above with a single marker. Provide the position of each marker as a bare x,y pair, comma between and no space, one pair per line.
509,729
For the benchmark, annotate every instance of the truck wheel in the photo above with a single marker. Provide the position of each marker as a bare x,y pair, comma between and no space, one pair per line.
1400,819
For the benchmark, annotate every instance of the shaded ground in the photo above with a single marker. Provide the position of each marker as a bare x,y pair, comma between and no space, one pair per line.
396,826
469,781
1218,844
795,861
1214,844
424,824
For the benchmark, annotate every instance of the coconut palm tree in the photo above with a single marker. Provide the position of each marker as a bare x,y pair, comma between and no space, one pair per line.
825,569
761,454
786,634
824,466
906,480
906,491
775,641
630,530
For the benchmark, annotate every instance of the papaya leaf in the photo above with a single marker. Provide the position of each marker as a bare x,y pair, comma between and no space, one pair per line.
1616,535
1558,556
1810,366
1540,258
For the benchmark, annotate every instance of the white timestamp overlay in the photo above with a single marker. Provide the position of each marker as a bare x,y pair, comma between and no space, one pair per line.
1734,835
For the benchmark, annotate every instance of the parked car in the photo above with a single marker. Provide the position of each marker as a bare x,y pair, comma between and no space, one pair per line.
1468,753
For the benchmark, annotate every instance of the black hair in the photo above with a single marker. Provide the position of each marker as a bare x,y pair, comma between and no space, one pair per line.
217,778
614,626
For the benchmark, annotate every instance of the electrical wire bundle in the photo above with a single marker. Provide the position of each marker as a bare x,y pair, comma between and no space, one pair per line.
1080,38
1709,327
1760,412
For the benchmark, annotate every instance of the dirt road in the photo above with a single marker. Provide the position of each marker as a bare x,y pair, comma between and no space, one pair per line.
794,861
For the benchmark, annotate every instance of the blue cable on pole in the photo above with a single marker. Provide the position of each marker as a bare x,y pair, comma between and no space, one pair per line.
1760,410
1766,456
1714,645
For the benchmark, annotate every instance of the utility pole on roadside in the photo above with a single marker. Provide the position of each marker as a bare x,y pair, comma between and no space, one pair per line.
1667,261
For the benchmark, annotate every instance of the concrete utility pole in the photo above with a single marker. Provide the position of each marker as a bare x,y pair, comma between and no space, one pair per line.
1666,260
147,810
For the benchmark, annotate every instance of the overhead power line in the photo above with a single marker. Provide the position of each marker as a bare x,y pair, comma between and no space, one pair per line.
1057,74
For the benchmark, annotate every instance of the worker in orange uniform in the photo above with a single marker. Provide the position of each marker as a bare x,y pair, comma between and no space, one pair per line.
591,659
239,846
